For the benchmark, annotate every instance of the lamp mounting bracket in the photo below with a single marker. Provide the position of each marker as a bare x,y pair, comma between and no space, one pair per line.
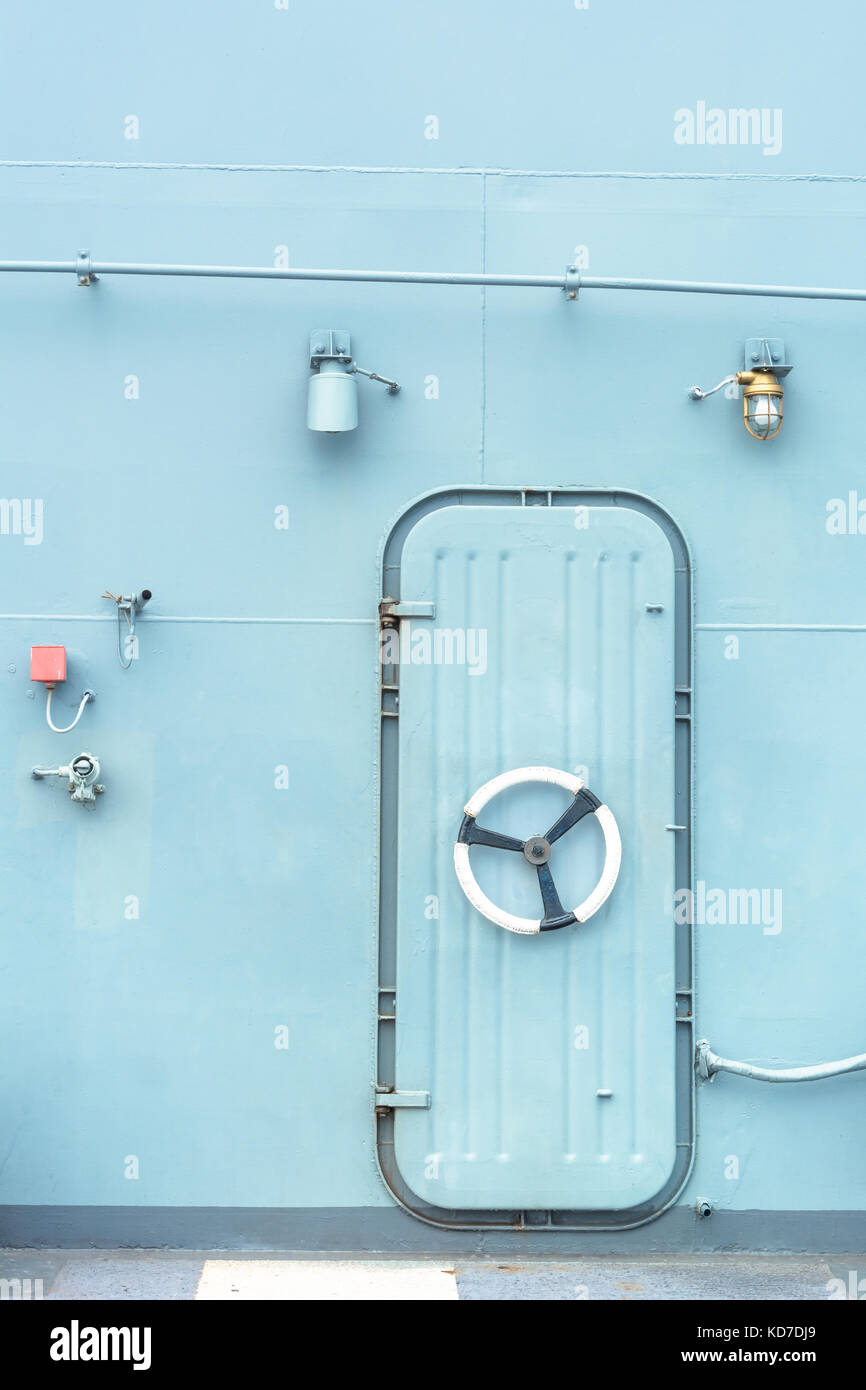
330,345
766,355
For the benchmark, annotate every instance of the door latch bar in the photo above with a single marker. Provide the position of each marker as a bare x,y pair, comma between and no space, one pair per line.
402,1100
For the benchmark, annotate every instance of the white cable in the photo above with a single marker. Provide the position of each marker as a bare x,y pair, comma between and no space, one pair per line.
125,665
698,395
710,1062
86,696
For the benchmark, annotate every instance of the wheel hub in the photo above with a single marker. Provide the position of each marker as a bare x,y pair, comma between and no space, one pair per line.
537,850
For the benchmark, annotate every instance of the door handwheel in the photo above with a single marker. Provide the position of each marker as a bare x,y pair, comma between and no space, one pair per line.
536,850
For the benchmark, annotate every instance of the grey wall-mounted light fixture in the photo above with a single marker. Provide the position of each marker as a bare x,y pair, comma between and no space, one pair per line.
764,365
332,395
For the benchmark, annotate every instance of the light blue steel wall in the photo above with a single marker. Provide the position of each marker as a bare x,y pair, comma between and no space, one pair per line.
305,127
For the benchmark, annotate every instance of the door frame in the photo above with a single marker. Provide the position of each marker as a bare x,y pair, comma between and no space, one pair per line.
384,1112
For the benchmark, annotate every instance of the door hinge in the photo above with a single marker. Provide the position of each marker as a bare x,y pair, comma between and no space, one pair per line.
401,1100
391,610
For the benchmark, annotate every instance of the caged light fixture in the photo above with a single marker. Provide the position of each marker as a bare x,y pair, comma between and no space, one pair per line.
764,365
332,395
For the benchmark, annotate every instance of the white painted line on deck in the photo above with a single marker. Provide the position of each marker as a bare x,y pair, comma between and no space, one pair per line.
355,1280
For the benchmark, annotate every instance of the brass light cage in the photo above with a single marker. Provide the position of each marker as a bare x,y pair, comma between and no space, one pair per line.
757,385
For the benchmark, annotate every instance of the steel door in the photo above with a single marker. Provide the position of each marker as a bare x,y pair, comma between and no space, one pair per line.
550,1059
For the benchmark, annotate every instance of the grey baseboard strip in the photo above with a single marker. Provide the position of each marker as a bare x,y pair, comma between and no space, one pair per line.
390,1231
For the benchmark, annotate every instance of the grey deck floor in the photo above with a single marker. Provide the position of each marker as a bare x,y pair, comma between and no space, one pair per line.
145,1274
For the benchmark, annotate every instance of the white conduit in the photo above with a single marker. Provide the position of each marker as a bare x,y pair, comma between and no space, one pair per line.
708,1063
571,280
87,696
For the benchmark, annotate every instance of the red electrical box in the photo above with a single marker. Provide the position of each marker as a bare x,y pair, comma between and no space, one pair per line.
48,664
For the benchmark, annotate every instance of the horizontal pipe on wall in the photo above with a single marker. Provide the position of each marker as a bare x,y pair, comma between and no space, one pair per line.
709,1063
430,277
180,618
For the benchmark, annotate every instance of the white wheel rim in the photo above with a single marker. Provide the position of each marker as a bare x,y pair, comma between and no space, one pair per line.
612,850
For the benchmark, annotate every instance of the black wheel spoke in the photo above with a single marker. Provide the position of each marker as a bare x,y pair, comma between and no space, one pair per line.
555,914
549,896
472,834
584,802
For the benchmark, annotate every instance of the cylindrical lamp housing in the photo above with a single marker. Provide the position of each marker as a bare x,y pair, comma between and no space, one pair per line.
332,399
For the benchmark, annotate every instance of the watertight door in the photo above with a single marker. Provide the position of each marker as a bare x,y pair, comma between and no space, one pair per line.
549,1058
